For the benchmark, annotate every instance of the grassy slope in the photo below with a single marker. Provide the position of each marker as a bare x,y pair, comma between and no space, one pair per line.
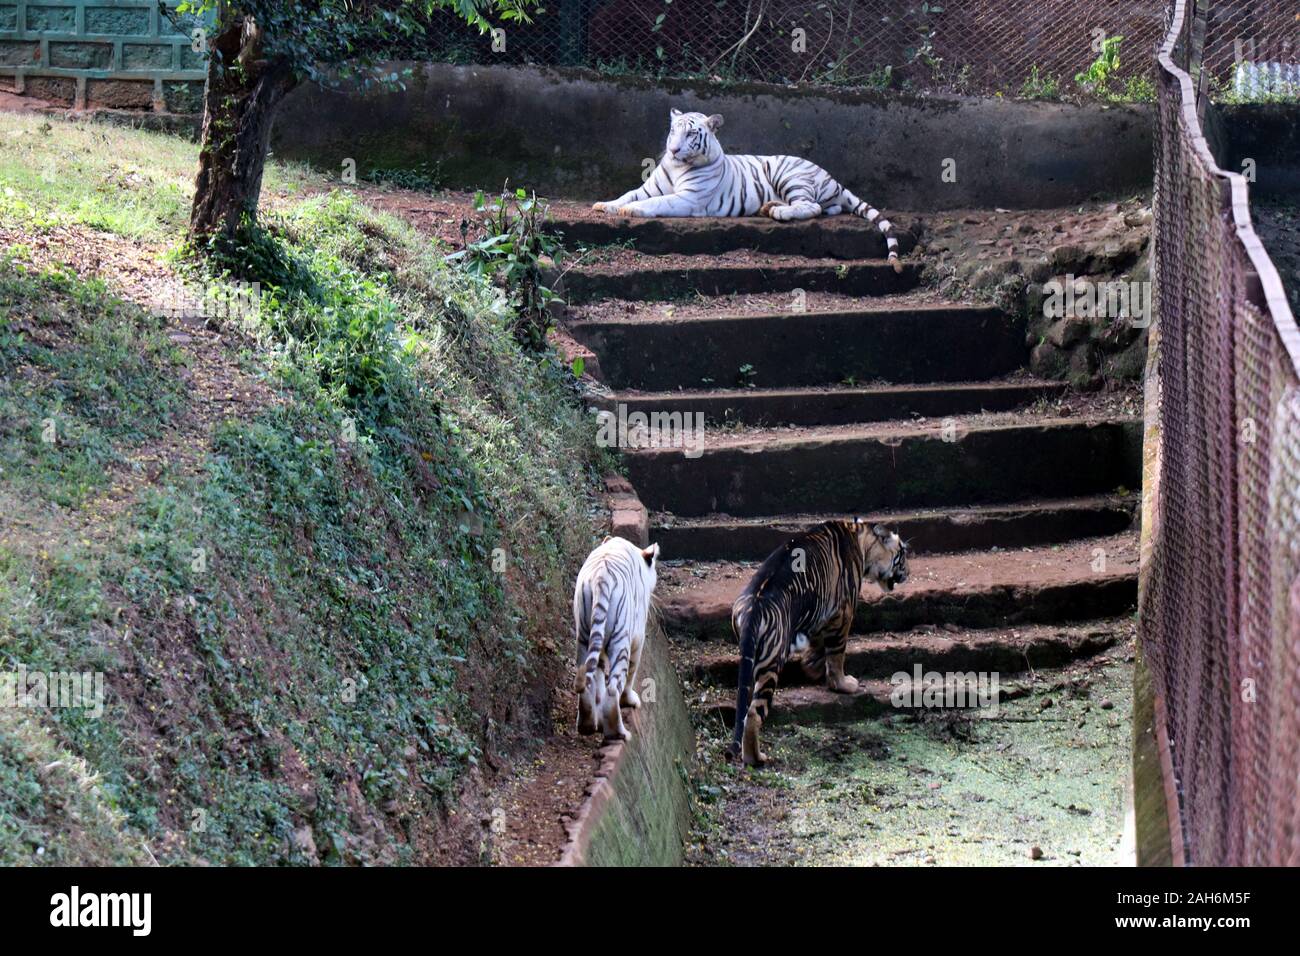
314,616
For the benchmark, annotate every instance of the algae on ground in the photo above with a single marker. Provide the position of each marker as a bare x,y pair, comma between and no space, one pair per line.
937,788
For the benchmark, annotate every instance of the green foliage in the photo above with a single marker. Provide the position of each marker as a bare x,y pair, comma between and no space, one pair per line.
423,178
1038,87
254,253
328,40
1096,78
1139,89
339,658
1226,92
514,251
80,373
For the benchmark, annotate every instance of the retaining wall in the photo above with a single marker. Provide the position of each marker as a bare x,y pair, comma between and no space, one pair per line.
576,134
101,54
637,811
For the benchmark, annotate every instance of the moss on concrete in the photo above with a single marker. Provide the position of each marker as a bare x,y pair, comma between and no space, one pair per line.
647,818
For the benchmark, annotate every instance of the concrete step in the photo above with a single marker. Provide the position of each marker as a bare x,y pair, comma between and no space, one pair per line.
919,343
878,657
650,280
837,237
817,705
836,406
974,589
863,469
724,538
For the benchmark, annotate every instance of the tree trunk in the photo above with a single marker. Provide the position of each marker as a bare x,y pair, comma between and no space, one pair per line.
239,106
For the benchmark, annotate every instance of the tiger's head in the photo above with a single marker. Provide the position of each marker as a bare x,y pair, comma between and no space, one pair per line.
884,555
691,139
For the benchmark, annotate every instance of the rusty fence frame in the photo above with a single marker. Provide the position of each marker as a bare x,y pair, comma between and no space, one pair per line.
1219,602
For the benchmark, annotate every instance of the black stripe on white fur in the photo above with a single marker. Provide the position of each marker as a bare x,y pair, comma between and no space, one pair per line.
696,177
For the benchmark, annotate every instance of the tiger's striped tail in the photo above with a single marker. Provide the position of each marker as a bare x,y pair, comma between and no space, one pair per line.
595,633
745,683
859,208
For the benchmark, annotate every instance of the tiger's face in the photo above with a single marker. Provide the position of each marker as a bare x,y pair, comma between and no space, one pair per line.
690,138
885,557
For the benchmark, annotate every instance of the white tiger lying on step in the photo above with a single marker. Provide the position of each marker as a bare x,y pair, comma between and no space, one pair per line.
696,178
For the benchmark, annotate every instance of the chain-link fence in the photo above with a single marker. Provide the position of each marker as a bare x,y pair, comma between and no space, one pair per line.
1034,48
1220,606
1251,51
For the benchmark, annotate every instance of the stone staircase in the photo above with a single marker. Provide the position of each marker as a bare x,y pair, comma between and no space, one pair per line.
915,412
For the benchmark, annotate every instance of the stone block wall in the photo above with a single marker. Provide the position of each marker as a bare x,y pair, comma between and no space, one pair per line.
102,54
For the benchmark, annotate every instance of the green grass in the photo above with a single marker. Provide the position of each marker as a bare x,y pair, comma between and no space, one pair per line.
129,182
347,592
81,374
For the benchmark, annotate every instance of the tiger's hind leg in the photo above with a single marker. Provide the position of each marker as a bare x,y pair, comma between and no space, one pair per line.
837,641
832,210
611,716
764,690
586,693
630,697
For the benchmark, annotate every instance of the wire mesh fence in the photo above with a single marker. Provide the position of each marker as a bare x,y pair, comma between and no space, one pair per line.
1036,48
1251,51
1220,607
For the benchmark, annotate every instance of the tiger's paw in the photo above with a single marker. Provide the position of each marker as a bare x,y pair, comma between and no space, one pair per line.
843,684
586,719
630,699
626,211
600,207
767,207
621,734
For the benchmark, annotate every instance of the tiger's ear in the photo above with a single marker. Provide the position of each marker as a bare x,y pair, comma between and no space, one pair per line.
714,122
881,532
674,113
651,554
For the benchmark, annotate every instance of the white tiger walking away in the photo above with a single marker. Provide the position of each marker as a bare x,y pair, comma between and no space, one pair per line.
611,604
696,178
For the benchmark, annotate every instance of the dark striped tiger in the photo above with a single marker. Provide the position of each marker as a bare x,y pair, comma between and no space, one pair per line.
696,178
805,594
611,604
